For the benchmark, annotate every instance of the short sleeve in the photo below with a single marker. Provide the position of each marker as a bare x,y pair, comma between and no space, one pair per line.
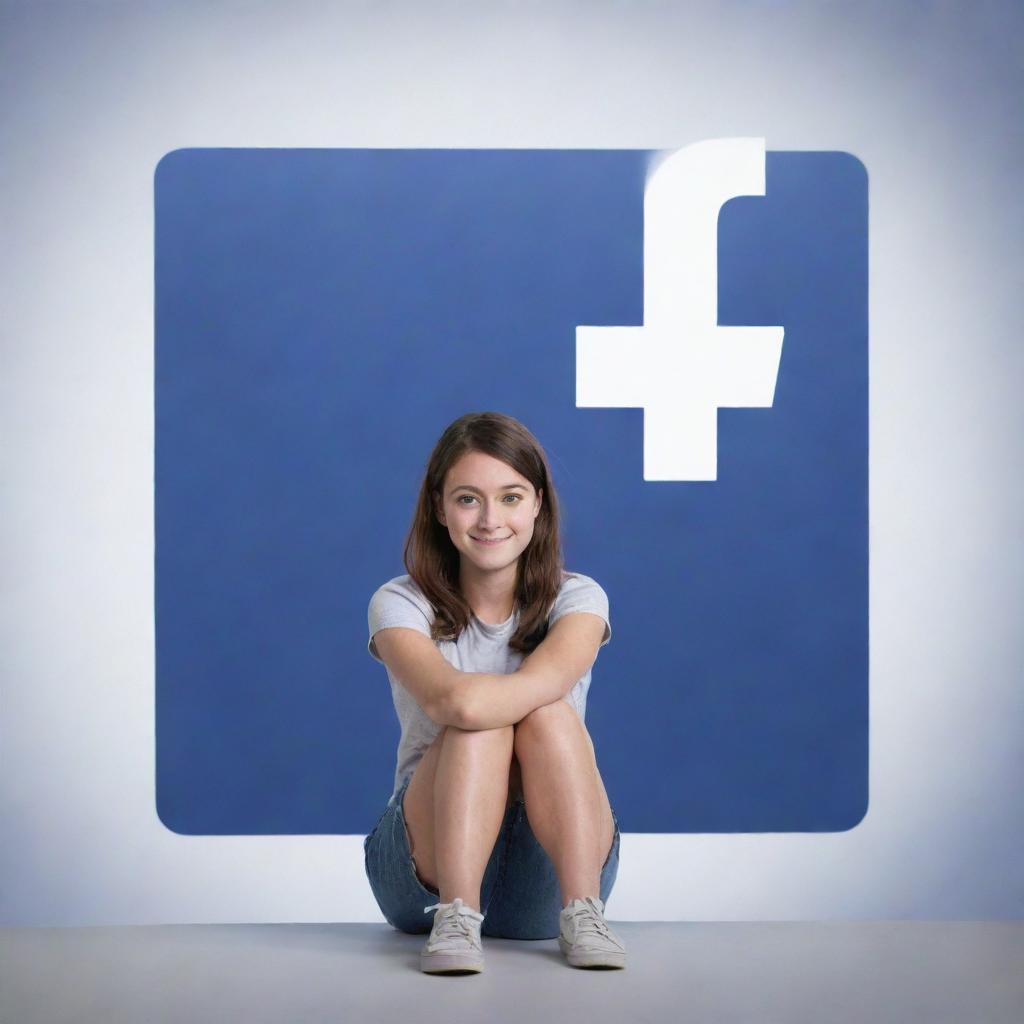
398,602
580,593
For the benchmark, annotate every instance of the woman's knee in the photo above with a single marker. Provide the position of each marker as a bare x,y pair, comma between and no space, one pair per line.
556,725
483,752
555,718
473,740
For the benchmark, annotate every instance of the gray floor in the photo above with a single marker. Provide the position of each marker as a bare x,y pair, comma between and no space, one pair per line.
834,972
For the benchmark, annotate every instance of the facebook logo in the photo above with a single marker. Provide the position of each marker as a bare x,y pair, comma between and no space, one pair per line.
681,366
685,332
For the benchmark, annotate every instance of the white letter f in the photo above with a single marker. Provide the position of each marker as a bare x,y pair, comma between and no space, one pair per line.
680,367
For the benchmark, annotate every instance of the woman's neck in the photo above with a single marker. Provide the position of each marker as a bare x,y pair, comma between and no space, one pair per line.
491,595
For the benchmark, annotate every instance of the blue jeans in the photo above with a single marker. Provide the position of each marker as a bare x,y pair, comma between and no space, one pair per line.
519,895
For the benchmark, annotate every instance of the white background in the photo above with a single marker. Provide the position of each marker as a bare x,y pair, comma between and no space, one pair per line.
928,96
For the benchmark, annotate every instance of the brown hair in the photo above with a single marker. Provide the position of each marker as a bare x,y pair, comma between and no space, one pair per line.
432,560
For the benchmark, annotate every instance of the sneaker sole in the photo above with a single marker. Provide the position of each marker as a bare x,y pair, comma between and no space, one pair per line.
594,958
450,963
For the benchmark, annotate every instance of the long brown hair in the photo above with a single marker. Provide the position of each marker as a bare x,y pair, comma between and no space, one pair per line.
432,560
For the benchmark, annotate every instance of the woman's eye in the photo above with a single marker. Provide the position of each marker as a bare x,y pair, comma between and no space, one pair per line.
469,497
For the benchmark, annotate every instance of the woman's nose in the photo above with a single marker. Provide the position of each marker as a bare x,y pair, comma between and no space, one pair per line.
489,515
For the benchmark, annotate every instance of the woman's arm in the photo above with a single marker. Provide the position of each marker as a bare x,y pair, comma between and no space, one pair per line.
486,700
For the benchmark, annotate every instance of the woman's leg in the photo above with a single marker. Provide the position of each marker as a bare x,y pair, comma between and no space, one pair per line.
454,806
566,802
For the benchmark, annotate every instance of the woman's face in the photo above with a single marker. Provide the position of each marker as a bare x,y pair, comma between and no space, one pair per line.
486,500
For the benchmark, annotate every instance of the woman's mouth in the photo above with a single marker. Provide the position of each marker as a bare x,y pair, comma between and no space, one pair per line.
490,543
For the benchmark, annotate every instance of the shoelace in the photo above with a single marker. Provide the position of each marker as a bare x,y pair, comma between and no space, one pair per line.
589,919
453,925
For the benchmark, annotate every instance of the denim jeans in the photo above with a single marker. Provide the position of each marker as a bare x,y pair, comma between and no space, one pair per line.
519,896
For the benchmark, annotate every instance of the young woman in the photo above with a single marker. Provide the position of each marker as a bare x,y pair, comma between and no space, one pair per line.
498,819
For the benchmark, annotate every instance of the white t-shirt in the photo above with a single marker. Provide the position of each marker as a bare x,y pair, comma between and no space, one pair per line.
481,647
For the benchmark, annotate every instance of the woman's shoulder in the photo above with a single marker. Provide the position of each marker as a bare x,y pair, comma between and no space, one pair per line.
398,602
581,593
403,583
578,587
401,590
577,581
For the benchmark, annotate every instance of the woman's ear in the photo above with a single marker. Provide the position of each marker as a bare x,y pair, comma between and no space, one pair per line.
540,496
438,510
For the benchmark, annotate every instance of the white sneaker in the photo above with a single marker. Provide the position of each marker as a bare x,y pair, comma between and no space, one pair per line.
454,943
585,938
